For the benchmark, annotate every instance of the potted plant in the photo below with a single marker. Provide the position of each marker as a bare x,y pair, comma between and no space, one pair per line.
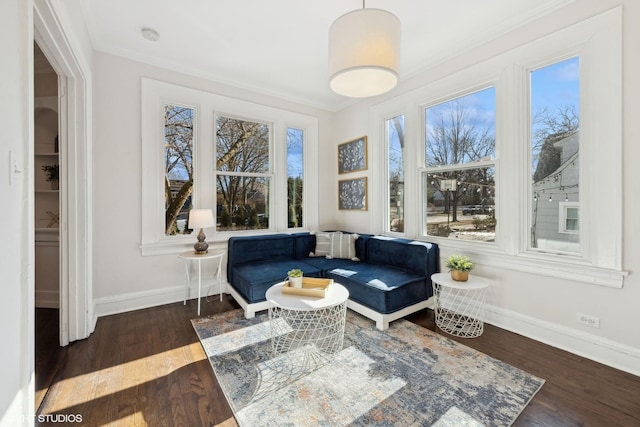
52,175
459,266
295,277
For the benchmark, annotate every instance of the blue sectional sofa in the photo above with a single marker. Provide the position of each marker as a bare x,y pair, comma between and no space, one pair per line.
390,279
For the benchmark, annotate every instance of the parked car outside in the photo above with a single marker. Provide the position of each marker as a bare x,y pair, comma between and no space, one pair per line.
477,210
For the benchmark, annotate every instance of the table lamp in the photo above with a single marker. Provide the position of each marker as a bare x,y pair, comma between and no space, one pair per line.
201,218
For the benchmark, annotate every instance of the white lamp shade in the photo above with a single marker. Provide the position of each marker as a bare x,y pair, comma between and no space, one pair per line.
364,53
201,218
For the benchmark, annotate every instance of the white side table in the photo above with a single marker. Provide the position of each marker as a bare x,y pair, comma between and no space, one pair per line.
460,306
314,323
191,256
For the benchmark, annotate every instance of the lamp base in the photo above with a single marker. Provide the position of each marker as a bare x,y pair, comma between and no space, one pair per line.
201,247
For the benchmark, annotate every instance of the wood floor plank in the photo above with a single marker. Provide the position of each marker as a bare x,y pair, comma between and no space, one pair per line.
147,368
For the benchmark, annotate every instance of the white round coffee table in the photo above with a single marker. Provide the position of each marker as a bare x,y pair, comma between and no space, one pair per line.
311,322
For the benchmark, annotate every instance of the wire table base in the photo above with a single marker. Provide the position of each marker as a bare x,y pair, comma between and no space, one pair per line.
318,330
460,306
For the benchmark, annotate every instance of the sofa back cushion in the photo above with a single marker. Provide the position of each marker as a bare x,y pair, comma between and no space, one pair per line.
250,249
415,256
305,243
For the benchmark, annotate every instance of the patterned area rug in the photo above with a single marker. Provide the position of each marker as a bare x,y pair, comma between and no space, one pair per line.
405,376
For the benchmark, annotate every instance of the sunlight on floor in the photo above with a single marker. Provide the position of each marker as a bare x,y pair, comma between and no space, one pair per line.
114,379
234,340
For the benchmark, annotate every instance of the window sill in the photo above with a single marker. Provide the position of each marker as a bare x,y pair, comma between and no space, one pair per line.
557,266
569,269
175,247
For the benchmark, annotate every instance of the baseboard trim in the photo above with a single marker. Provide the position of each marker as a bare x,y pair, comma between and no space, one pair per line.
47,299
602,350
122,303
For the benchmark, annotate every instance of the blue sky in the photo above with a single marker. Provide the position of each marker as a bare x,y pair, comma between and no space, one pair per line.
556,86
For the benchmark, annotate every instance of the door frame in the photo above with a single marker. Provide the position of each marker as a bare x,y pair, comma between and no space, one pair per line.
75,142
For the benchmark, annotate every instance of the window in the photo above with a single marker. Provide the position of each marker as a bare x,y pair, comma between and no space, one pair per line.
295,174
499,193
242,160
243,174
555,155
178,167
459,179
395,156
569,218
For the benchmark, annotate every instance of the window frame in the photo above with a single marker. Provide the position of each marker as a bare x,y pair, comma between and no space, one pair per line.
562,223
425,170
598,43
387,206
269,175
154,95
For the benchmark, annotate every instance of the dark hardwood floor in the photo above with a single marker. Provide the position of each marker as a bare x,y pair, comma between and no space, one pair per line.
147,367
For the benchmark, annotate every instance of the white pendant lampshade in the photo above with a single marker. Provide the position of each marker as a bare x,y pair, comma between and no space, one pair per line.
364,53
201,218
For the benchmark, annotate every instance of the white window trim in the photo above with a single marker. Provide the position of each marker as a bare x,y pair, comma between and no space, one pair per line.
598,42
154,95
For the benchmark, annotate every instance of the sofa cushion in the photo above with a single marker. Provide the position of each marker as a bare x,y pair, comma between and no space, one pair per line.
252,249
343,246
323,244
326,264
253,280
304,244
403,254
381,288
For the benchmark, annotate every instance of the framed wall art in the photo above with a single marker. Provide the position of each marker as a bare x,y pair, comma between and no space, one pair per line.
352,194
352,155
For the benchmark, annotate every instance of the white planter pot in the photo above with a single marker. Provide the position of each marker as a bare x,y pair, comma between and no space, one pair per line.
296,282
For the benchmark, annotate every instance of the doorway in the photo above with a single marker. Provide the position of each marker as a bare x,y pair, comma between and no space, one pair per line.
47,223
74,167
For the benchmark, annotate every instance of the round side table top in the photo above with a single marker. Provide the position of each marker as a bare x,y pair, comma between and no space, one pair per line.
214,253
474,282
337,294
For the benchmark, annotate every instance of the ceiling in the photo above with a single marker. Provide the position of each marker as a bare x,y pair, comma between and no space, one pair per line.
279,47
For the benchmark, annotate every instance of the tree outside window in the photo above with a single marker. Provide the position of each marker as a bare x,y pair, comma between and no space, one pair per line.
178,167
243,177
459,178
395,146
295,174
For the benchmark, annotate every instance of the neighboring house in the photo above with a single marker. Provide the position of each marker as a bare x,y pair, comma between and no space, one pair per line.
556,204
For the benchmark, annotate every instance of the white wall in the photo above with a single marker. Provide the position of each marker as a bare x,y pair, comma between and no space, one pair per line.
16,250
124,279
541,307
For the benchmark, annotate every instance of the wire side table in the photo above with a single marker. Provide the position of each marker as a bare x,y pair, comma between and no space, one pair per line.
460,306
314,324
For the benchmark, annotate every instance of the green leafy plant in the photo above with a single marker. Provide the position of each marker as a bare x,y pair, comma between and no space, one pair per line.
459,262
296,272
51,171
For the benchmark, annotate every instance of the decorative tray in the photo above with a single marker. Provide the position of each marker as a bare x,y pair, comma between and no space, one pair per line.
311,287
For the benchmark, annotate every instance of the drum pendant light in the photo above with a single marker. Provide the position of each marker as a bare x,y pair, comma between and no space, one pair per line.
364,53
